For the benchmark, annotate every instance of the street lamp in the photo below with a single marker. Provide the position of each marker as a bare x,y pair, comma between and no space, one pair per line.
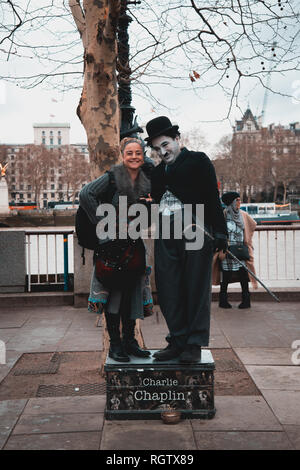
129,126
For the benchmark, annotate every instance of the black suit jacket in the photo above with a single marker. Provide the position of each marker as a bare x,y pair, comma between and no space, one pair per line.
192,179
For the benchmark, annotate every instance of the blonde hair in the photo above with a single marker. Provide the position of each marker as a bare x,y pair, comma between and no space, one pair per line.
130,140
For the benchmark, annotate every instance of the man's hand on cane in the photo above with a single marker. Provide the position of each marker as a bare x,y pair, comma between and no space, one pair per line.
220,244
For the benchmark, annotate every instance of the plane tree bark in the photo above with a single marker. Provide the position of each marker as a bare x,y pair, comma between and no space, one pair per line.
98,108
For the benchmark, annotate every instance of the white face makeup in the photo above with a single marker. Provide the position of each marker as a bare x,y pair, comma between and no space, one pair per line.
167,148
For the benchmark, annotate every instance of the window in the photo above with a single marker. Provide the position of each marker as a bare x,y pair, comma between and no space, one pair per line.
21,195
29,196
51,140
53,195
43,132
45,195
52,186
59,141
43,141
51,132
29,187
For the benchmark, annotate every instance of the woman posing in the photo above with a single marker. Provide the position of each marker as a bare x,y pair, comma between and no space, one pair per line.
240,227
126,302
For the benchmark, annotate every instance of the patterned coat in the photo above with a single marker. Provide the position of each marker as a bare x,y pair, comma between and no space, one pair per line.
249,229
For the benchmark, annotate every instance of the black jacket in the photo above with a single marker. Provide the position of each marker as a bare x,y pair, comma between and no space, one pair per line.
192,179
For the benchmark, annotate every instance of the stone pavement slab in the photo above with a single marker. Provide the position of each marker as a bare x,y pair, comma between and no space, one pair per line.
239,440
61,441
10,411
55,423
239,413
147,435
10,318
245,333
218,341
81,340
293,433
10,360
265,356
285,405
275,377
65,405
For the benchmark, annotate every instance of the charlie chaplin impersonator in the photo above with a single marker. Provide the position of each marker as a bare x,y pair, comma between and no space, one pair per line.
183,276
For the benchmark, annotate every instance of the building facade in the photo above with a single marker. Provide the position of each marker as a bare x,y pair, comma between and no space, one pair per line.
55,186
269,155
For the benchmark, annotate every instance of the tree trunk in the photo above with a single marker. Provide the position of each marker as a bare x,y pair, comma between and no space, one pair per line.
98,108
284,192
275,191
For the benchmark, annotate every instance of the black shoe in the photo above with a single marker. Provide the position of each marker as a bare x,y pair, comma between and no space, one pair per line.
117,353
245,301
223,302
170,352
191,354
132,347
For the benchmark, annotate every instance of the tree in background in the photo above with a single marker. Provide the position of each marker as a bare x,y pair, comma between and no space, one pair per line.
73,170
194,140
35,164
258,164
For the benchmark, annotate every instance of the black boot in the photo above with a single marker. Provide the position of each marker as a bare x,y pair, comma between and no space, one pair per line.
116,350
244,280
223,302
245,300
130,344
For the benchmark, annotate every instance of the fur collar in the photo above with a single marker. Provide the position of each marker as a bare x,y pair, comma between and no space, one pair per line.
140,188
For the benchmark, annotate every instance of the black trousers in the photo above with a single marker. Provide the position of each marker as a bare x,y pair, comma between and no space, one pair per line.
183,281
241,276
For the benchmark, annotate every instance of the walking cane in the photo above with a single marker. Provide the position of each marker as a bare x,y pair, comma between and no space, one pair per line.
243,265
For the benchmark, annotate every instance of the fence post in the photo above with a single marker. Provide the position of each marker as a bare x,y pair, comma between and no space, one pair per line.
66,263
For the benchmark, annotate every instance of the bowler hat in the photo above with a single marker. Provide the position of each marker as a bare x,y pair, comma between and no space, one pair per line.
159,126
229,197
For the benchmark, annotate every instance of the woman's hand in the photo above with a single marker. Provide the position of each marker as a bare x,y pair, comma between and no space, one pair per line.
146,200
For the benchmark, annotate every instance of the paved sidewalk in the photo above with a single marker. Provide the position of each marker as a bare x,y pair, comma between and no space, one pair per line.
261,338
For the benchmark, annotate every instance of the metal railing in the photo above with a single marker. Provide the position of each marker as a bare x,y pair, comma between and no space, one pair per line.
277,252
49,257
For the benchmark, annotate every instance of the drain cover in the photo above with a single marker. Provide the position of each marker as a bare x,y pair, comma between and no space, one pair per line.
50,369
71,390
42,366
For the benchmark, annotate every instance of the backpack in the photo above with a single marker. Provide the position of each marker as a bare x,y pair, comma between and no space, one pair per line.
84,228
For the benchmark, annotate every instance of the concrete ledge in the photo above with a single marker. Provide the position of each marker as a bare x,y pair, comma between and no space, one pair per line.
79,300
285,294
40,299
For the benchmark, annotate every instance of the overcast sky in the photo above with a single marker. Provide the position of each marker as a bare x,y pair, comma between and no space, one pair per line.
20,108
